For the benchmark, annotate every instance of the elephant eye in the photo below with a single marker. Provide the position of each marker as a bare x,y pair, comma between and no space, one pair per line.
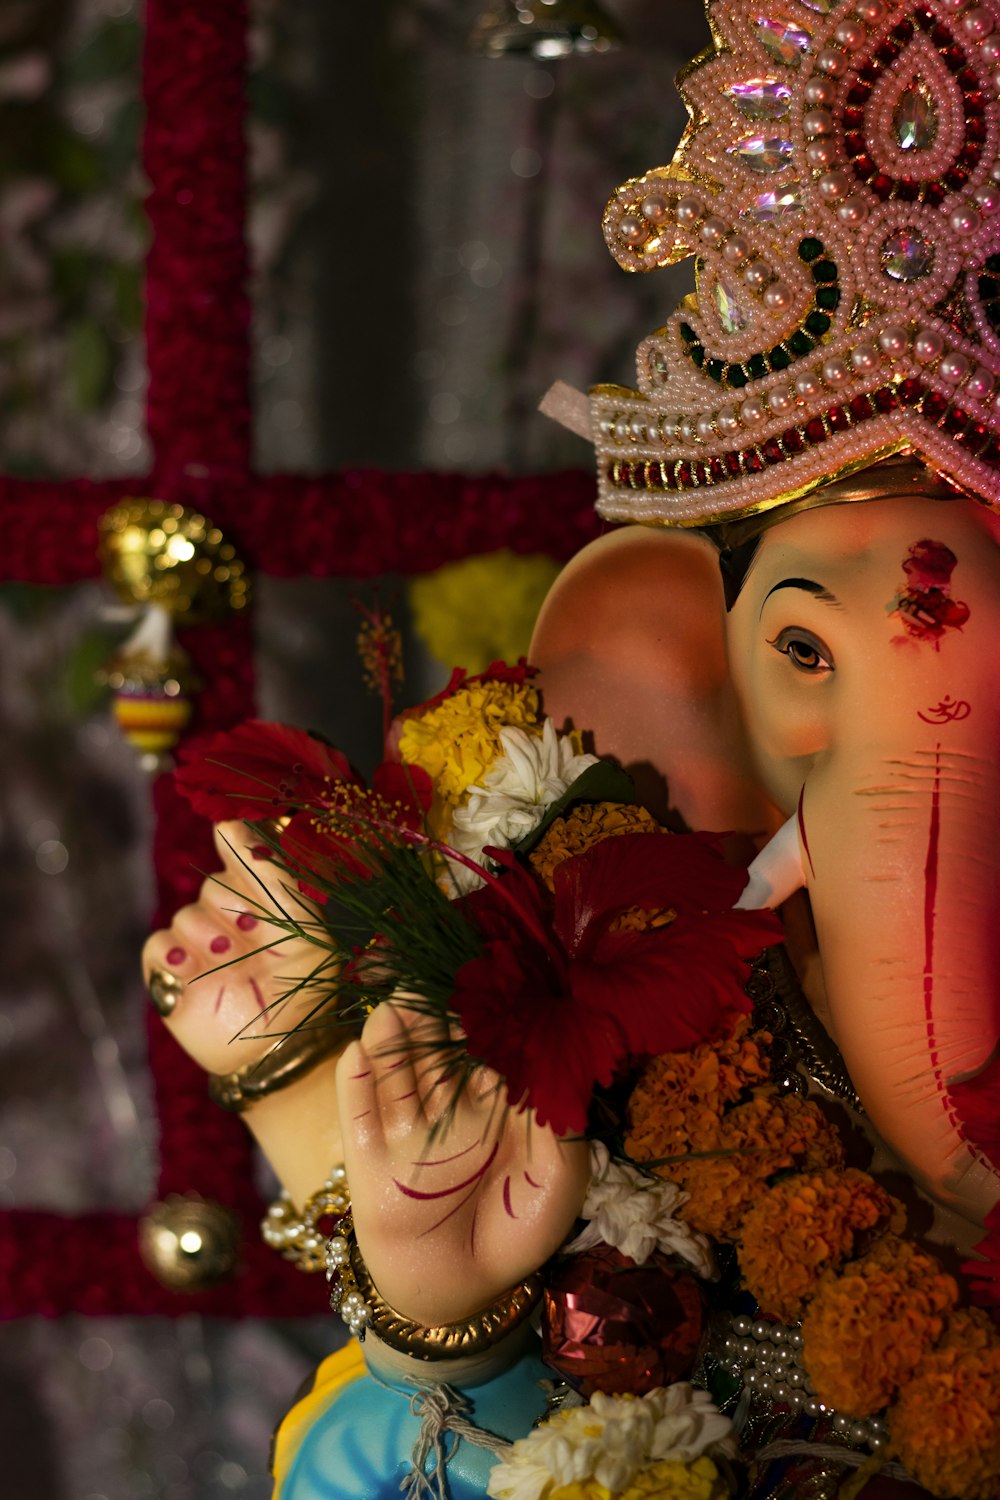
806,652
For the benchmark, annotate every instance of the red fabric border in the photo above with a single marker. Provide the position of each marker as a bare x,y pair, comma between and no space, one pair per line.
351,525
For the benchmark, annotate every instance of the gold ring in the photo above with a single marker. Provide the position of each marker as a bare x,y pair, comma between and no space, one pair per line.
165,989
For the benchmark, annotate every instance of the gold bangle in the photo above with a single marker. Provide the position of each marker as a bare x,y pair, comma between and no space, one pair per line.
446,1340
290,1059
297,1236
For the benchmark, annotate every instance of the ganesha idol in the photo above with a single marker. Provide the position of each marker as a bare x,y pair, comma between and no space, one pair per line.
793,640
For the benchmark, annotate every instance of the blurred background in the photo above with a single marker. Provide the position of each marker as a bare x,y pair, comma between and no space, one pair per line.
425,237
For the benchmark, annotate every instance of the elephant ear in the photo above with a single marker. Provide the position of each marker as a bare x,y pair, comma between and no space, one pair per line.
631,643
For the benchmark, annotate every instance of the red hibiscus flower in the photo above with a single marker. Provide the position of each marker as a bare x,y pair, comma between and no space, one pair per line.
328,842
560,999
260,770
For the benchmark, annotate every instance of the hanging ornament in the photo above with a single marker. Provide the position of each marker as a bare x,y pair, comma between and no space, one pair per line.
545,29
189,1242
174,567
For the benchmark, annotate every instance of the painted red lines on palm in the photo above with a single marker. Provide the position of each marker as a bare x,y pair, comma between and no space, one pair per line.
473,1183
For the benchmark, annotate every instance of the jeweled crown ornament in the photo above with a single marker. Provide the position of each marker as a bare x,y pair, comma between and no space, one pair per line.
838,184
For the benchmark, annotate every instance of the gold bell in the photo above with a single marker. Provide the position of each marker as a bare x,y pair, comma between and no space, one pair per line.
189,1242
179,569
545,29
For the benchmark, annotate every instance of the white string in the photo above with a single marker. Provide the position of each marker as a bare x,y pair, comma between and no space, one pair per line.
828,1452
440,1410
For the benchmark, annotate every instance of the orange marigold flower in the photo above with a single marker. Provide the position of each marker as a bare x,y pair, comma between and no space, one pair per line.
677,1105
805,1225
868,1327
945,1425
583,827
768,1134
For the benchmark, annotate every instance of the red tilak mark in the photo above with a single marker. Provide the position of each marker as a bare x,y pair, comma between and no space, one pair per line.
218,998
802,831
245,922
220,944
948,711
257,995
176,956
531,1181
506,1199
409,1192
444,1160
924,603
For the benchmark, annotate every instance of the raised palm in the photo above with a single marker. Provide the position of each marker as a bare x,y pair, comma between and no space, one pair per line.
447,1218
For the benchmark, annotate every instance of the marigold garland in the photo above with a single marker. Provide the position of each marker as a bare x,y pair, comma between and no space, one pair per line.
868,1327
678,1102
805,1225
585,826
457,742
944,1426
750,1143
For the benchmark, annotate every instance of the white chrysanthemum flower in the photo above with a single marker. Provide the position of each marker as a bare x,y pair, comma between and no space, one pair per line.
532,772
610,1440
637,1215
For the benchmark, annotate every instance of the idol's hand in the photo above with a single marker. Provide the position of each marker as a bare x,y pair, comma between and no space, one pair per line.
447,1220
233,963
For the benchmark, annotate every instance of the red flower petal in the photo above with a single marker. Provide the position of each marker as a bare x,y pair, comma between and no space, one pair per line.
407,791
260,770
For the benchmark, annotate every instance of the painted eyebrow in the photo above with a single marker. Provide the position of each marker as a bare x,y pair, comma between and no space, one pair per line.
809,585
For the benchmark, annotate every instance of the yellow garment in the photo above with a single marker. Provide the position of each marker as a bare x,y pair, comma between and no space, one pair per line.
333,1376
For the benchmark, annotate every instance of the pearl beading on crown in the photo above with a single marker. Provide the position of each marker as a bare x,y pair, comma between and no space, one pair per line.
839,184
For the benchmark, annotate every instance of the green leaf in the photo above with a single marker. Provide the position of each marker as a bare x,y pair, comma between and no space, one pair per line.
89,358
604,782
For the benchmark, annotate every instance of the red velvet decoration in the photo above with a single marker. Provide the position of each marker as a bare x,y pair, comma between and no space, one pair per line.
349,525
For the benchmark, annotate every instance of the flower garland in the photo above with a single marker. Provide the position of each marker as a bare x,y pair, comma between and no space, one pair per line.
576,889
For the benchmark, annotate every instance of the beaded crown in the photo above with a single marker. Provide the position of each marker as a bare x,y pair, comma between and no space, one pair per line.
838,184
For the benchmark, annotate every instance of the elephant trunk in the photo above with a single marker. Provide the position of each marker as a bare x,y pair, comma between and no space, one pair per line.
902,861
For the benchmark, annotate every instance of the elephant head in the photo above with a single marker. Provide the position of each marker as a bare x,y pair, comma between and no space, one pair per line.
849,680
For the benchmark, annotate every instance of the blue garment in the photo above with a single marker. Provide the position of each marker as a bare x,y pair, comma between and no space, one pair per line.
360,1446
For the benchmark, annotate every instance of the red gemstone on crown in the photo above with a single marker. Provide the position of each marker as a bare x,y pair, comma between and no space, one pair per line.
910,392
733,462
752,461
837,419
791,440
860,409
815,431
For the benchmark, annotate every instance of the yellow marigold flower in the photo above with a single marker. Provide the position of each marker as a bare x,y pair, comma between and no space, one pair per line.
868,1328
768,1134
581,1489
481,609
700,1480
584,826
457,742
945,1425
677,1105
805,1225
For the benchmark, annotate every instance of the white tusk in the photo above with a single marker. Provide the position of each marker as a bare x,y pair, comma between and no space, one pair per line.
776,872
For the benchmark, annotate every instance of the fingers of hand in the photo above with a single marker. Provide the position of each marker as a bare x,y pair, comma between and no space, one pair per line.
251,870
357,1102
